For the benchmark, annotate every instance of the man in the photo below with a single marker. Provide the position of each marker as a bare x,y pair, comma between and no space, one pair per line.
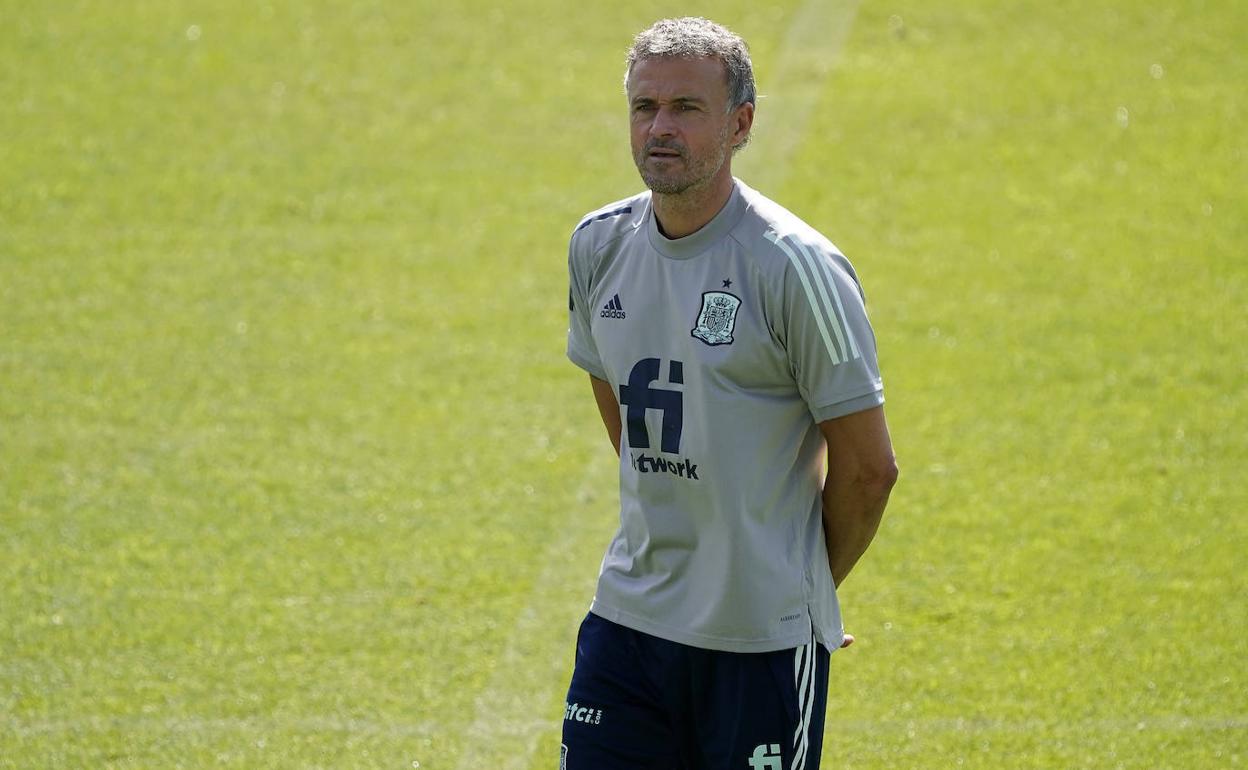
730,356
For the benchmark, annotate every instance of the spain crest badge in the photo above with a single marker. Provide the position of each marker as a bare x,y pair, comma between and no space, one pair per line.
717,318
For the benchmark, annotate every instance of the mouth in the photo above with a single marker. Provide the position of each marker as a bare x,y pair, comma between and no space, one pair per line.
659,153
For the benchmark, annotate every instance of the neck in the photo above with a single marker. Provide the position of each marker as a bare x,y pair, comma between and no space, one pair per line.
687,212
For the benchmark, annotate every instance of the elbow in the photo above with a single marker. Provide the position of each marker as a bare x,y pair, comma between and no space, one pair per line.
880,477
893,473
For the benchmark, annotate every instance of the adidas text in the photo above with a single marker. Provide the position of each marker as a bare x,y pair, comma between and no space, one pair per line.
613,309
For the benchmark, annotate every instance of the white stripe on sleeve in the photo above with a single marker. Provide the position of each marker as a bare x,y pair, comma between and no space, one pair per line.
820,270
810,295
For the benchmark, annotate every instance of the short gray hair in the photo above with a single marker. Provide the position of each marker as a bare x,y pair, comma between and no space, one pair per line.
693,37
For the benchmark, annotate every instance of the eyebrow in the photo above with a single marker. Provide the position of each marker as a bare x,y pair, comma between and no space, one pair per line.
677,100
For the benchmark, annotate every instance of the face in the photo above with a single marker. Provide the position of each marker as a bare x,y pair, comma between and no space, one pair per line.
682,131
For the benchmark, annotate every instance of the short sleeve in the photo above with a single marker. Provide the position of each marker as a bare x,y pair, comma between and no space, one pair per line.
828,339
582,350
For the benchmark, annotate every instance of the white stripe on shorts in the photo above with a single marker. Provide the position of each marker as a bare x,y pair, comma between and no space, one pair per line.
804,660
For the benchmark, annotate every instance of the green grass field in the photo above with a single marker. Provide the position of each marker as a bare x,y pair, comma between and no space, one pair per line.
293,472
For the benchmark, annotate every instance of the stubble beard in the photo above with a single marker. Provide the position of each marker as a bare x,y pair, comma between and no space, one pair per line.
697,173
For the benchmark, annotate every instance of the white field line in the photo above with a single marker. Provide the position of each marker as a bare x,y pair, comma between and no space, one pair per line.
26,729
513,710
976,726
235,599
789,94
34,728
506,731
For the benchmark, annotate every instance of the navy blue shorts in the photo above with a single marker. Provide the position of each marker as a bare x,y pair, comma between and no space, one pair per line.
638,702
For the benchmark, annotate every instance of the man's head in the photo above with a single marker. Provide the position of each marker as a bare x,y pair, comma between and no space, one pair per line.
690,88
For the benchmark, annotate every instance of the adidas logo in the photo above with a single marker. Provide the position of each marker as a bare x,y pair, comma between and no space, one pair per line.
613,309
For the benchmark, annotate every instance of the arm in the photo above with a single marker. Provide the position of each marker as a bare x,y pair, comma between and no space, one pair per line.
609,408
861,473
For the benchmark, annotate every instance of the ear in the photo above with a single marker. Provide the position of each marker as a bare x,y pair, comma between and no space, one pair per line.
744,120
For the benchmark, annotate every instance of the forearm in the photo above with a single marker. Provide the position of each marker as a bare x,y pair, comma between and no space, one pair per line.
852,510
609,409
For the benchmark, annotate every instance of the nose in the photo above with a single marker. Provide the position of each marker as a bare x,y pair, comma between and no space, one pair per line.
664,123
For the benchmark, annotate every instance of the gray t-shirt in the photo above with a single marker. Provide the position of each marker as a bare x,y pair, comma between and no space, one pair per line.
725,349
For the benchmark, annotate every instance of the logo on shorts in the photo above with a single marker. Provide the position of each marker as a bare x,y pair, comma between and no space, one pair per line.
577,713
766,757
563,757
717,319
